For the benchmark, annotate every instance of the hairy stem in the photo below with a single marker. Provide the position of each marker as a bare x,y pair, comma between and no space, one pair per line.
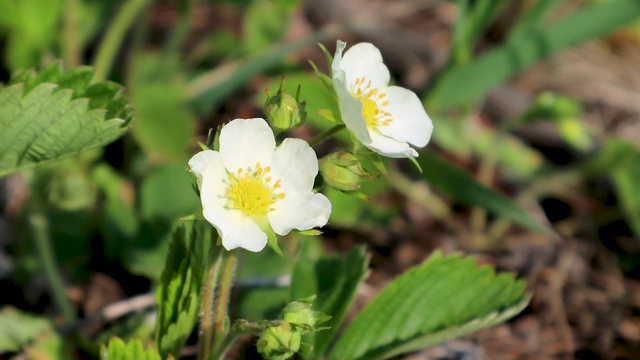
229,261
40,232
208,295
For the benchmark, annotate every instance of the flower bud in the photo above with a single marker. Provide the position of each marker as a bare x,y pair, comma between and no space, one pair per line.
279,342
284,112
343,171
299,313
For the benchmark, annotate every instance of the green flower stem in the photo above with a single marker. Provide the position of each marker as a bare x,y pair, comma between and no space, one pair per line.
40,232
326,134
229,261
208,295
71,40
115,35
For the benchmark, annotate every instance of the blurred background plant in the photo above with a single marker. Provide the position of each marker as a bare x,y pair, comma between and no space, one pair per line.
533,166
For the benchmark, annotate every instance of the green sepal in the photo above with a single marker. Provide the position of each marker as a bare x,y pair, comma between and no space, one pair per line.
328,115
415,162
310,232
272,240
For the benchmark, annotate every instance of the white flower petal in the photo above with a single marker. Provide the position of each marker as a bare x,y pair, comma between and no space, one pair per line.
295,164
199,163
243,143
389,147
410,121
351,112
364,60
236,229
211,174
302,211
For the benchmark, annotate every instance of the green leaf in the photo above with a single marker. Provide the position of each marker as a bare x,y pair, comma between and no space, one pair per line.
19,329
35,336
473,80
620,161
264,24
119,222
167,193
133,350
178,295
473,20
334,279
33,26
53,114
165,125
462,187
445,297
625,180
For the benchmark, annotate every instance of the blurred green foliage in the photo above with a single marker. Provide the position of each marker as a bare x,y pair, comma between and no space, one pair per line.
121,204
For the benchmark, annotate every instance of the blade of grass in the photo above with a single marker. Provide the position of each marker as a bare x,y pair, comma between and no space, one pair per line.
467,83
210,88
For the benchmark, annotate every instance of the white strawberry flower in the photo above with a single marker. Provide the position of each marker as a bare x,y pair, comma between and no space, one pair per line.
386,119
250,187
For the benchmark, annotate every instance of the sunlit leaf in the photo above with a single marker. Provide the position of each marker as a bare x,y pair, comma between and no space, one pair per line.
53,114
443,298
179,293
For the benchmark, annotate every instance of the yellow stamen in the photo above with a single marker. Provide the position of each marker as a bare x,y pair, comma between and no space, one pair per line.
371,99
252,193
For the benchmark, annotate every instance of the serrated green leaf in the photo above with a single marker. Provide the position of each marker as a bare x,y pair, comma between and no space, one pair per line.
400,319
133,350
334,279
51,115
461,186
179,293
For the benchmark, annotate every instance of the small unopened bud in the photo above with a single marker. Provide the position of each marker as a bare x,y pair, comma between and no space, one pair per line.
279,342
284,112
299,313
343,171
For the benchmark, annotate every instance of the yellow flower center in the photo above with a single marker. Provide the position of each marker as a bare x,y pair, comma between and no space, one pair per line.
373,101
253,191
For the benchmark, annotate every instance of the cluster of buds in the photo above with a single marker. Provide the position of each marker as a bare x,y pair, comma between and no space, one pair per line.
282,339
342,170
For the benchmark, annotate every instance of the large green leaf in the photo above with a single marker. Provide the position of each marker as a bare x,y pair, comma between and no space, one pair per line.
133,350
445,297
462,187
178,295
334,279
471,81
53,114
